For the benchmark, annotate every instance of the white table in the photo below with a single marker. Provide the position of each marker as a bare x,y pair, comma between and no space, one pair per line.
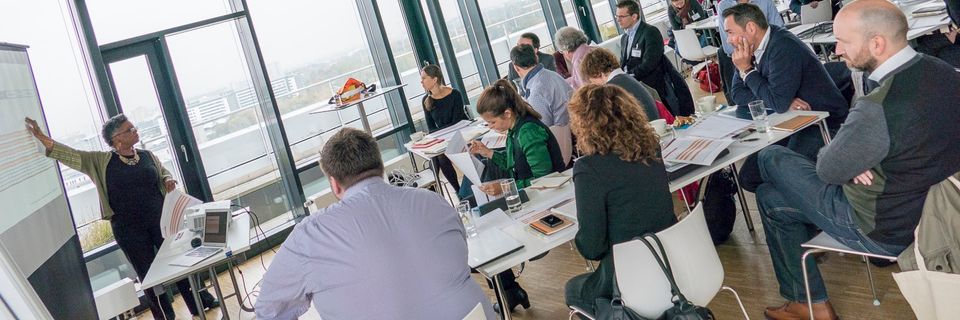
162,273
918,26
711,27
330,107
429,156
741,150
534,243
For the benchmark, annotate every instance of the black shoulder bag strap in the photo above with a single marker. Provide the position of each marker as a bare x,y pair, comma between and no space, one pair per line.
682,308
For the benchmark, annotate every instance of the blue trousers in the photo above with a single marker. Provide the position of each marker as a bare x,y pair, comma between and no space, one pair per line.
794,203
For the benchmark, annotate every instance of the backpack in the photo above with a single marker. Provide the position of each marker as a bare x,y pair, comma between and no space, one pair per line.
709,78
719,208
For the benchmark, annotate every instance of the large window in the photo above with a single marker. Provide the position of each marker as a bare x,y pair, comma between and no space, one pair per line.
461,46
403,56
316,46
507,20
115,20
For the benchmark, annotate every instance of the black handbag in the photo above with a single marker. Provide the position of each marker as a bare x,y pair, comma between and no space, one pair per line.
613,308
682,308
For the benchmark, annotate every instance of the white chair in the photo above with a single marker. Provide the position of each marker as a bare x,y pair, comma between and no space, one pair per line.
565,140
688,45
476,314
693,258
823,243
823,12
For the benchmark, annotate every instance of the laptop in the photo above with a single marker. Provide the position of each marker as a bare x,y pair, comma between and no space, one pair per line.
490,245
213,238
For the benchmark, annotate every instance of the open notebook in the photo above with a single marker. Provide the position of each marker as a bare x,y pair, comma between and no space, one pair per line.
490,245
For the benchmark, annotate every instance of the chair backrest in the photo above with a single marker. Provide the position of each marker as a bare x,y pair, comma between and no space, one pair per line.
822,13
471,111
612,44
693,258
688,45
476,314
565,140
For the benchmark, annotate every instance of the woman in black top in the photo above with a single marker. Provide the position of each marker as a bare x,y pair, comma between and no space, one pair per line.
682,13
132,184
621,185
442,107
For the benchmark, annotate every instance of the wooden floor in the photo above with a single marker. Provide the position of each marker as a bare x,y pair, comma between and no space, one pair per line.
745,259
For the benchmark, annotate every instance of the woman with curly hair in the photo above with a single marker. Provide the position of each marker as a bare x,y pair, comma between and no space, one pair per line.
621,184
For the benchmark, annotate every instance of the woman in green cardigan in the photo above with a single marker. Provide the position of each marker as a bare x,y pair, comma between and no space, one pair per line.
131,184
531,152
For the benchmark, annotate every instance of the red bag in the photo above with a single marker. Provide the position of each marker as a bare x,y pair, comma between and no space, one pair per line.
709,78
351,91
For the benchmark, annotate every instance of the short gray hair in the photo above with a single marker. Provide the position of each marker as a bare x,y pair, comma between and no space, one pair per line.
351,155
570,38
886,21
110,127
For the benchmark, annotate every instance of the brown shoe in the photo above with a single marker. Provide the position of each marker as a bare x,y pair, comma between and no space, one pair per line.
799,311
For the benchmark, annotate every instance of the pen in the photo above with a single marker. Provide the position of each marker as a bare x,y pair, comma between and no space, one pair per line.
751,139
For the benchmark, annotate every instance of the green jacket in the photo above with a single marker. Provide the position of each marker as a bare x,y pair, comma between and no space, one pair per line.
94,165
533,141
939,230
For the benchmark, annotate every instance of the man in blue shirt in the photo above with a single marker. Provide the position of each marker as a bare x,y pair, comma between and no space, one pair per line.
726,65
545,90
381,252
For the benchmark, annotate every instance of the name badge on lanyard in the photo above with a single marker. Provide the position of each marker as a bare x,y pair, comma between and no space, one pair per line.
695,16
635,52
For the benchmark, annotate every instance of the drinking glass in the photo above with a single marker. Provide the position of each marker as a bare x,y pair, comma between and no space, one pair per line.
510,193
759,114
467,217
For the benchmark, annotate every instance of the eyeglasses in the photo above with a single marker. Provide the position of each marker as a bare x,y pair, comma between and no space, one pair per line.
623,17
132,129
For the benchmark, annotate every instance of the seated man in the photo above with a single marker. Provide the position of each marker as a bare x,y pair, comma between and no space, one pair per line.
545,60
600,66
381,252
543,89
868,187
726,65
773,65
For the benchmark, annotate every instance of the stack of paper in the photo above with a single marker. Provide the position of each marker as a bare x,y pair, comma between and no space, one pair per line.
175,205
701,151
550,182
718,126
495,140
447,133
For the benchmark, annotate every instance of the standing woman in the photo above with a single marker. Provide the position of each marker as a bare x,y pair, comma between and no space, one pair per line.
131,184
531,152
682,13
621,185
442,107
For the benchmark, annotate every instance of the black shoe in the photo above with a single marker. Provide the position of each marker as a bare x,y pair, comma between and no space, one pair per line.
209,302
514,298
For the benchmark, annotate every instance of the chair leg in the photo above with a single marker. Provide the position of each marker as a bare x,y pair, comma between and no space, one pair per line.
806,277
740,302
583,314
873,288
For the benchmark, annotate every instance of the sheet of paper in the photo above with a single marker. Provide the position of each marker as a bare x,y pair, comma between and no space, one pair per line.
174,210
447,132
695,150
456,144
550,182
718,126
463,160
494,140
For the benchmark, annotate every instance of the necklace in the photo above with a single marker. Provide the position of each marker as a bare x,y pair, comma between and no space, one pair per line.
130,161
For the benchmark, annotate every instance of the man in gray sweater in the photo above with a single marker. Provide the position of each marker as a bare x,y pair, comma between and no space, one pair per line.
869,184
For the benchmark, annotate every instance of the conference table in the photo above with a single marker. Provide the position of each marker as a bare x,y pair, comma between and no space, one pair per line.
918,26
162,273
536,244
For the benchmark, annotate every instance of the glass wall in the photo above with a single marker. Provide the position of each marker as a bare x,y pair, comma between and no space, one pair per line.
605,20
115,20
314,47
506,20
461,46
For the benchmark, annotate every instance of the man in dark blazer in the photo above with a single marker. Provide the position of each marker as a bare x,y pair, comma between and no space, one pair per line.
773,65
641,55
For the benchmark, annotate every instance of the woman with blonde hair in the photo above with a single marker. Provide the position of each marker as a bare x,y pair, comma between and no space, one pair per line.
621,184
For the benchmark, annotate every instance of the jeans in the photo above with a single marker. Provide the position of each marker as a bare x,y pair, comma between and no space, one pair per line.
807,143
794,202
574,294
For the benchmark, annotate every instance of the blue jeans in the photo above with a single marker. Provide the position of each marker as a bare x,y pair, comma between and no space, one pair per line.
794,202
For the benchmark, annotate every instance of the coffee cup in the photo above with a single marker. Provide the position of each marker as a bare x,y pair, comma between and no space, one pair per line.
707,104
659,125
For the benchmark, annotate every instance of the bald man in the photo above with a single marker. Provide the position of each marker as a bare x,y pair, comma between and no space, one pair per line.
869,184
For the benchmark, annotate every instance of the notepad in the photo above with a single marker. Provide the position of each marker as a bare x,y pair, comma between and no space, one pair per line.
490,245
536,224
795,123
550,182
